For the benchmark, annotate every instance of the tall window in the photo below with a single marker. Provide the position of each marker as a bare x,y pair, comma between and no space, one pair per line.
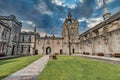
15,37
4,33
58,43
48,42
0,47
21,49
29,49
23,38
29,38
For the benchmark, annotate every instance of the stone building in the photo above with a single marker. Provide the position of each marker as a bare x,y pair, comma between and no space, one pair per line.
49,45
104,37
70,35
26,43
67,44
14,30
4,38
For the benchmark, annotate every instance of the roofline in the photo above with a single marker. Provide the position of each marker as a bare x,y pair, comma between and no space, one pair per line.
103,23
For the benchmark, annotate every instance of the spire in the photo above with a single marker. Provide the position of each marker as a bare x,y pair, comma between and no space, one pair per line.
69,18
69,14
106,13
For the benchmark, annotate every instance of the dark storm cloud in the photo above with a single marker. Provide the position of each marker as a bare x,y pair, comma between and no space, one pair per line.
85,9
26,10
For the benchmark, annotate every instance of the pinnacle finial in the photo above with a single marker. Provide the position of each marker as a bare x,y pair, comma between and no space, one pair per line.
104,4
69,14
106,14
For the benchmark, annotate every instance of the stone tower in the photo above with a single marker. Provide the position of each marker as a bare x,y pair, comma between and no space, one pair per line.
70,32
106,13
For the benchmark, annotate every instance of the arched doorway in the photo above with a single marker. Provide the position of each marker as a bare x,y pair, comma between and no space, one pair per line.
48,50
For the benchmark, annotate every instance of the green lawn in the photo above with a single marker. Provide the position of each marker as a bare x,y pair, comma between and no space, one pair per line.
77,68
10,66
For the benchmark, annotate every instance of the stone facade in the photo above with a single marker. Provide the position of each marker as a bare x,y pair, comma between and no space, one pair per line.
26,43
4,38
70,34
14,30
67,44
49,45
103,38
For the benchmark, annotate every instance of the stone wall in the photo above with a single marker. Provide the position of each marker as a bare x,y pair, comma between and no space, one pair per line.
107,41
54,44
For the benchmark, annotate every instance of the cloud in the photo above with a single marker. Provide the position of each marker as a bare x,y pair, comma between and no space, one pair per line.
91,22
29,23
67,3
48,15
42,8
58,2
100,3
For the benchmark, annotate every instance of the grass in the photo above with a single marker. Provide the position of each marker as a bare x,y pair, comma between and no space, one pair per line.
10,66
77,68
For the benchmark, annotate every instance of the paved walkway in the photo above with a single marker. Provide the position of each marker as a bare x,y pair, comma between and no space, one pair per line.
109,59
31,72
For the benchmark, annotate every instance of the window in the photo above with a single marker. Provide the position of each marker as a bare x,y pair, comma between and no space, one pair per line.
48,42
21,49
23,38
38,42
15,37
3,47
58,43
0,47
29,38
4,33
29,49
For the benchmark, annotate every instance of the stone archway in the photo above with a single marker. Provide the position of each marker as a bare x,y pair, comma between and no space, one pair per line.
48,50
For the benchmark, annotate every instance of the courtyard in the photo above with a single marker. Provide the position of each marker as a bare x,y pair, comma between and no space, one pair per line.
78,68
63,68
9,66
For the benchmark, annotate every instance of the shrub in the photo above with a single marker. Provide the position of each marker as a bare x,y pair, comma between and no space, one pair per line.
100,54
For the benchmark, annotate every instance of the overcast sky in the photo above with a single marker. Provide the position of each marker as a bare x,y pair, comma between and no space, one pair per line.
48,15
